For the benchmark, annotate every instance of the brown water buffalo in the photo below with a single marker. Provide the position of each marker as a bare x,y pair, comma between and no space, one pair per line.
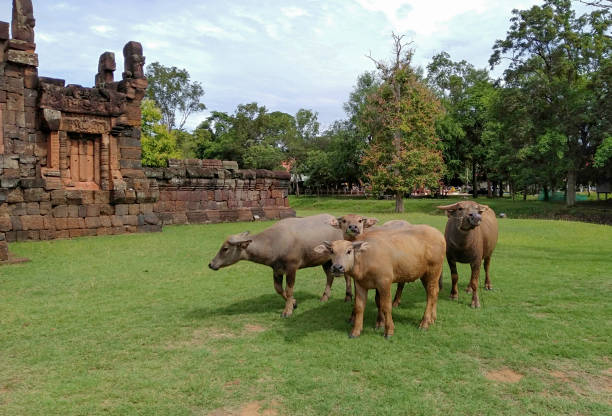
378,259
471,236
286,247
353,225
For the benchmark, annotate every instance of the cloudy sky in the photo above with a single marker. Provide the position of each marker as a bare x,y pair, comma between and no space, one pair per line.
284,54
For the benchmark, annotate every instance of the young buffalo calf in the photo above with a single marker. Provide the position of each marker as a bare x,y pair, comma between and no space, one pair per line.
378,259
353,225
471,236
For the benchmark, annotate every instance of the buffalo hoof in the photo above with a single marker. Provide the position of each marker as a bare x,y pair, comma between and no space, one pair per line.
348,298
454,297
352,336
395,304
387,336
379,326
324,298
285,315
488,287
468,289
475,304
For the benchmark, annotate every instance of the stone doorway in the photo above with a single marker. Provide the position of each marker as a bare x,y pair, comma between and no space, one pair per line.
84,160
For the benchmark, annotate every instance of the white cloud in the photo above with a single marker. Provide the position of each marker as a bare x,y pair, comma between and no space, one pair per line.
103,30
293,12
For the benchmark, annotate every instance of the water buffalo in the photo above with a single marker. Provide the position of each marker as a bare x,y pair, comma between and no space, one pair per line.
353,225
378,259
286,247
471,236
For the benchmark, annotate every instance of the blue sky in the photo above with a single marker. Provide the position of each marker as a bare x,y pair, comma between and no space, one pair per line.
285,55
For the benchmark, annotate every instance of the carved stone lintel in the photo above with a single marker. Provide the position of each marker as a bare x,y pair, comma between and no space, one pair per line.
52,118
22,57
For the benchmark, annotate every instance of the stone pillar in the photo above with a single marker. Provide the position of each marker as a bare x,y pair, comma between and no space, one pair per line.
22,25
53,152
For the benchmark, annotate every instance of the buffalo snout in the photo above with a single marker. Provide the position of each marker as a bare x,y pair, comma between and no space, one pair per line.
337,269
213,267
353,229
474,218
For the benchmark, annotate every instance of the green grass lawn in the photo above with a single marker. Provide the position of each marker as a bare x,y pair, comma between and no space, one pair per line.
137,324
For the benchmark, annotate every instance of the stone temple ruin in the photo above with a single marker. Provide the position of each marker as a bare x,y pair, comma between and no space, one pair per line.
70,156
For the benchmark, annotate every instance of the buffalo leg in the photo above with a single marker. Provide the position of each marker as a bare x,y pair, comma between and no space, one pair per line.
361,295
474,283
487,262
398,295
278,283
385,306
380,318
349,290
432,288
330,281
290,303
454,294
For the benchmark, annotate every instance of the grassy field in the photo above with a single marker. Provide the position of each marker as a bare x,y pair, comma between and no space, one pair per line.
137,324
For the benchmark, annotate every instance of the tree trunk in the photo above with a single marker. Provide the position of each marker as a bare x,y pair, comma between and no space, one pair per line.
474,185
399,202
570,199
501,189
297,185
489,189
525,195
546,197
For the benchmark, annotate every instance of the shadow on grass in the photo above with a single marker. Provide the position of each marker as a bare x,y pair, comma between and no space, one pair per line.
312,317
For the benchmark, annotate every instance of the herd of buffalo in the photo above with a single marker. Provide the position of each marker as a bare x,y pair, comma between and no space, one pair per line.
374,256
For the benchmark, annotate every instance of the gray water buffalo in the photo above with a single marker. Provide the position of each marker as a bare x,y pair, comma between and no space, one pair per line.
286,247
377,259
471,236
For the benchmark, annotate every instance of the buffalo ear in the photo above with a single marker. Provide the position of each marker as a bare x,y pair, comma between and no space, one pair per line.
361,245
321,249
370,222
482,208
240,239
334,222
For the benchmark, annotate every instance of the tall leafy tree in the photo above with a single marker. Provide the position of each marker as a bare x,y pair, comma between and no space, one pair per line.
557,60
465,92
158,144
400,114
174,93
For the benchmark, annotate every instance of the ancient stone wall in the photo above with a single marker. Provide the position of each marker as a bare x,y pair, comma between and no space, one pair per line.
202,191
70,156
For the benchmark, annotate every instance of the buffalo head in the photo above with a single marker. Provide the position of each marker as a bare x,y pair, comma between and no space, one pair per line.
232,250
352,224
342,254
466,214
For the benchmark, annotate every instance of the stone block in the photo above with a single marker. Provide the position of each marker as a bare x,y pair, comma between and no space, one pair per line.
5,223
74,223
93,210
32,222
33,208
133,209
92,222
61,223
62,234
45,207
121,209
60,211
116,220
14,195
105,221
35,195
48,234
104,231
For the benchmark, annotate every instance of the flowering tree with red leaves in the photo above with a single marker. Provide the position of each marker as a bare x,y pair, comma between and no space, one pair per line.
405,153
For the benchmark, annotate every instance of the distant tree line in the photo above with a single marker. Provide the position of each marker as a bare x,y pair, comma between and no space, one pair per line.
544,125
